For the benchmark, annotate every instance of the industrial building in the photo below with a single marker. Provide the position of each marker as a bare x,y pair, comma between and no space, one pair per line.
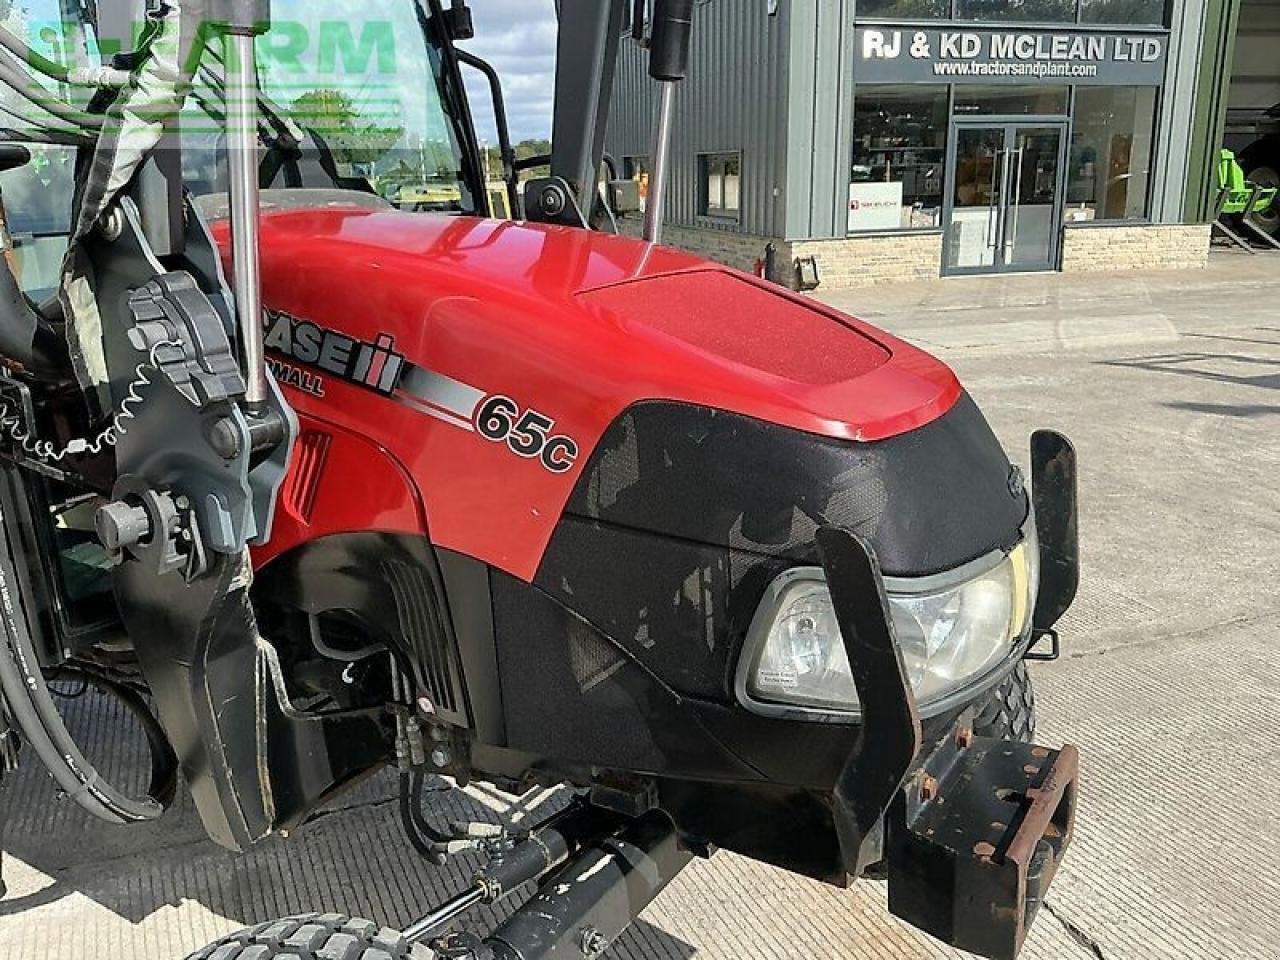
894,140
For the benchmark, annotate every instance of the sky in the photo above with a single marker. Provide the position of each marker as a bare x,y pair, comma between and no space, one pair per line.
519,38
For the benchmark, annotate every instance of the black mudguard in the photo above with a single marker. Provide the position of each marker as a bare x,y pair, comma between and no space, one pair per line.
252,763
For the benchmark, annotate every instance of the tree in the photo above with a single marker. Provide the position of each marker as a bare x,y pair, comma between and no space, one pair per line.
333,116
523,150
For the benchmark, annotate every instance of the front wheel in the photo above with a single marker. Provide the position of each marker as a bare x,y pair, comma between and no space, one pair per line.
330,936
1010,713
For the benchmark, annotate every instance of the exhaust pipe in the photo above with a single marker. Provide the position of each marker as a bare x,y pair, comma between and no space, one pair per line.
668,64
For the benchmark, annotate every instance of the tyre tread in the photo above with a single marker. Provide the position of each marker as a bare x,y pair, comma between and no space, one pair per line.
313,936
1010,714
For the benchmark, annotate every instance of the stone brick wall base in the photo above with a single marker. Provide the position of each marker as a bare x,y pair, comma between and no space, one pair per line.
738,250
1138,247
851,262
901,258
869,261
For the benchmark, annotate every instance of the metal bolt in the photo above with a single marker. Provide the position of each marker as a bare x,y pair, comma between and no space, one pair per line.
552,201
440,757
928,788
964,738
121,525
224,438
111,223
593,942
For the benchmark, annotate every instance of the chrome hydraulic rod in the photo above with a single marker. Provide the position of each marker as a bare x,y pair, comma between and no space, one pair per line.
668,64
443,914
242,169
658,175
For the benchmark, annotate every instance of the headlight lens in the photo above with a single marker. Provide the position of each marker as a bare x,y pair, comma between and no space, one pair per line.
951,633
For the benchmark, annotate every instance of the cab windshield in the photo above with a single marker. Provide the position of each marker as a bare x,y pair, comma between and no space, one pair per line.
367,91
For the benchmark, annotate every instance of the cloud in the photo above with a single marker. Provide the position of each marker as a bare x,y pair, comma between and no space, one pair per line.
519,38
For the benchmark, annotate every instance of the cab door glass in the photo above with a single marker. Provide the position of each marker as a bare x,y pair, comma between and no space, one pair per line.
37,198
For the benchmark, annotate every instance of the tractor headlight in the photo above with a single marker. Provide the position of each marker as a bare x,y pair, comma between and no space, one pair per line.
953,630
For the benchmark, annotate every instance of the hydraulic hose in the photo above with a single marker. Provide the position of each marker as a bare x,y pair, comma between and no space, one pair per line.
56,138
164,762
75,76
50,68
37,716
51,103
32,128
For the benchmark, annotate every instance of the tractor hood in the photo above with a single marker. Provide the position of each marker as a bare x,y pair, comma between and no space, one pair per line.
654,323
509,350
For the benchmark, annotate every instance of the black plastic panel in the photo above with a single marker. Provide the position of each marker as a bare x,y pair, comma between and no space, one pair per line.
570,695
927,501
685,514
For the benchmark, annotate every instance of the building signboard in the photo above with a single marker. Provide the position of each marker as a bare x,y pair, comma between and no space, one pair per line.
875,206
997,55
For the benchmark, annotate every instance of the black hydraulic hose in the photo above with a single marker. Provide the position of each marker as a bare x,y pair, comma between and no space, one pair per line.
49,102
164,762
41,126
37,715
50,68
410,818
55,138
74,76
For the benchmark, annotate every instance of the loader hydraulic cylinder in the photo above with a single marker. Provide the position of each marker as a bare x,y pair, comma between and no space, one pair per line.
668,64
241,21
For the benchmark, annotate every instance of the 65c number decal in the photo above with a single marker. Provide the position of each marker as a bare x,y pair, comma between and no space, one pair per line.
527,433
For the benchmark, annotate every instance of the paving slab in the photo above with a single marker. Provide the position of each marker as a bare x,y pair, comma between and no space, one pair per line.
1169,383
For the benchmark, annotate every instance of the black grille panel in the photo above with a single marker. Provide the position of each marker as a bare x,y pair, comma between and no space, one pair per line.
423,625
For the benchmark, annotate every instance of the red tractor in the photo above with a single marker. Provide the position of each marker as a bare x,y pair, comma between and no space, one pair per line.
519,502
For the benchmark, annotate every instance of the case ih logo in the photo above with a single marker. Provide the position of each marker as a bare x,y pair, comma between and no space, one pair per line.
373,365
376,366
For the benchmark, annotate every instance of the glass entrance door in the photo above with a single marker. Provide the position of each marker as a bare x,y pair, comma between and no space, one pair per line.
1004,197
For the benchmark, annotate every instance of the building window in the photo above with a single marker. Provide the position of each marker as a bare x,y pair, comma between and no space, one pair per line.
899,155
905,9
1012,100
720,178
637,169
1147,12
1020,11
1112,136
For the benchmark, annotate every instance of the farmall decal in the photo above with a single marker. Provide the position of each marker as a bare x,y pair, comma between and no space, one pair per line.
375,366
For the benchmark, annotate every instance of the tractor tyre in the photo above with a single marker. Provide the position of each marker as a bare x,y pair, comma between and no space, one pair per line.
1010,714
331,936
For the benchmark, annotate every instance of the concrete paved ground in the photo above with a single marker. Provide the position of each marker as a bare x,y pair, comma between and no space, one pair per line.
1170,386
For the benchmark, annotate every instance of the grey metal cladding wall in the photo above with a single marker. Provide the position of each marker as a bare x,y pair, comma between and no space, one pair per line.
1178,110
820,118
733,100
